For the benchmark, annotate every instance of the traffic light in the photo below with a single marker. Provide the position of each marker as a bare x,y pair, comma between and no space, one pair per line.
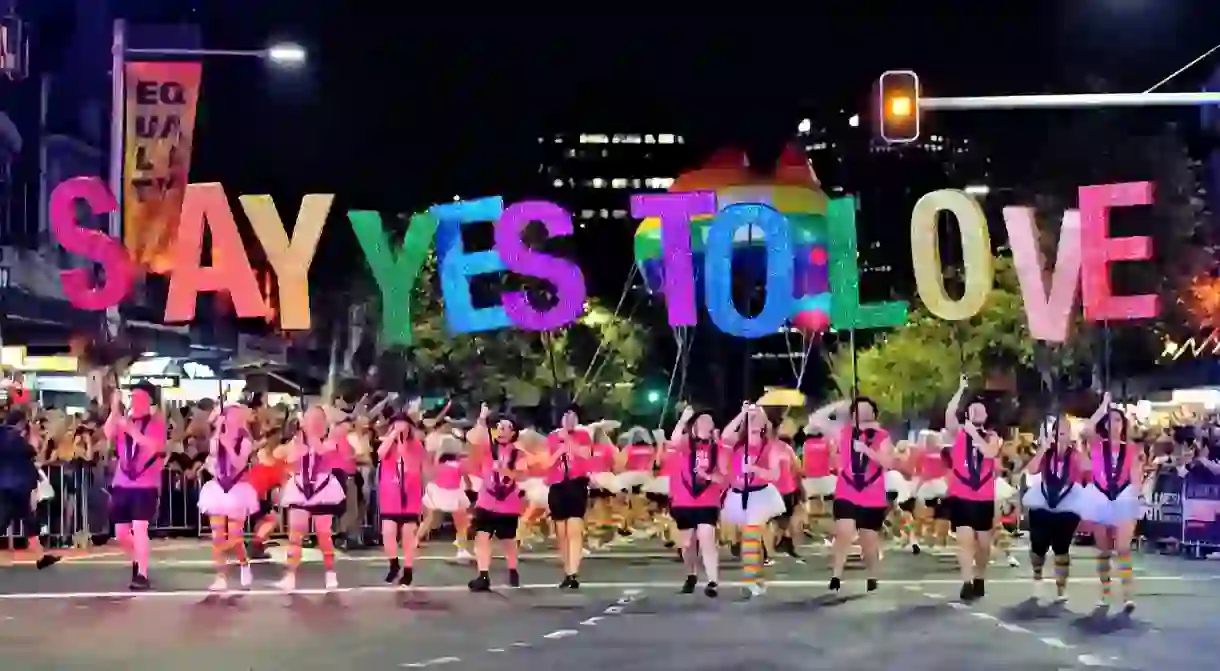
898,106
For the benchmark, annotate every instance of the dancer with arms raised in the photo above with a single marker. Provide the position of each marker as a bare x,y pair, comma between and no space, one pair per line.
313,492
697,466
228,499
139,437
500,503
972,490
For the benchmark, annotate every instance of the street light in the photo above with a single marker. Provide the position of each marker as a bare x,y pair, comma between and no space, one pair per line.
287,54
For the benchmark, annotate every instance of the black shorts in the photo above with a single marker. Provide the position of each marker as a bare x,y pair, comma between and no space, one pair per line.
568,499
791,501
333,509
906,506
133,504
472,495
977,515
690,518
599,493
868,518
501,526
266,508
15,508
940,510
659,500
401,518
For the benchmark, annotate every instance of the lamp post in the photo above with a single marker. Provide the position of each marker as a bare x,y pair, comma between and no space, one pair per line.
282,55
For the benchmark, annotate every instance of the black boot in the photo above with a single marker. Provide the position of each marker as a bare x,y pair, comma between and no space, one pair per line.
688,587
392,574
408,575
481,583
514,578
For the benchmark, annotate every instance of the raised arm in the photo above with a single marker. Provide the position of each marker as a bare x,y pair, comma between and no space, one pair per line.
684,419
828,419
1090,428
951,423
732,432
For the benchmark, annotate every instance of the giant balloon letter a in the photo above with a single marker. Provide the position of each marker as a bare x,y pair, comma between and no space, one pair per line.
718,275
1048,313
290,258
230,270
94,245
519,258
1099,250
976,254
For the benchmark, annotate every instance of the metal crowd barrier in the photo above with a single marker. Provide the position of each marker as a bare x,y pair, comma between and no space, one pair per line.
1183,512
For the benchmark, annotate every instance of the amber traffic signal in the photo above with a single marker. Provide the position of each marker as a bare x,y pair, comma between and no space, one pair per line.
898,103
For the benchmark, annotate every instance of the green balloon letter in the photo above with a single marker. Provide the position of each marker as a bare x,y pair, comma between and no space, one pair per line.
394,271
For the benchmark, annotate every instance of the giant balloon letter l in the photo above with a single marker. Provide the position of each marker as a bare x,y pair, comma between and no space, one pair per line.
395,273
230,270
290,257
675,211
1099,250
93,245
845,309
458,266
519,258
976,254
1048,313
718,274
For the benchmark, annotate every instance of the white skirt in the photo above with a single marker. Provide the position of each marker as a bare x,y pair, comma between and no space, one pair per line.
329,494
633,479
607,481
937,488
537,491
896,483
1004,491
764,504
445,500
237,503
657,486
1073,502
819,488
1099,509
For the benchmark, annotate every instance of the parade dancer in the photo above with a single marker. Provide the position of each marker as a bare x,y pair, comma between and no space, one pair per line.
228,499
752,501
266,476
501,502
312,493
568,494
787,526
638,455
899,495
400,492
972,490
1114,504
697,466
139,437
818,482
604,486
931,486
19,486
1055,500
860,454
447,493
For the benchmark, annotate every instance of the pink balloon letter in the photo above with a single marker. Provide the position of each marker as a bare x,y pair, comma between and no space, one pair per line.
93,245
675,211
1047,312
230,270
519,258
1099,250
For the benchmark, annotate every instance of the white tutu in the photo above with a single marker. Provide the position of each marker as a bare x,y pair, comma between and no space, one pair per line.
237,503
537,491
633,479
896,483
607,481
330,492
445,500
657,486
764,504
937,488
1073,502
1004,491
1099,509
819,488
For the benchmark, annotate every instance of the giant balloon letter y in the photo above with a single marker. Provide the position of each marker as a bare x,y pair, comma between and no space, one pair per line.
395,272
290,258
93,245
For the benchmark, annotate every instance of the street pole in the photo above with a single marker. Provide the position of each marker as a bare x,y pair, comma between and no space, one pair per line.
1071,101
118,117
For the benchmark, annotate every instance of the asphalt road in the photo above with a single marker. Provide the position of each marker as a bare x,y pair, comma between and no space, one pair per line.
627,615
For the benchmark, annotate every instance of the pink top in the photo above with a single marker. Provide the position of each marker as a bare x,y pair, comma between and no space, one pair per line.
861,480
603,458
140,467
787,482
500,493
1112,466
400,487
448,474
343,458
571,465
229,461
929,464
759,455
639,458
973,475
311,468
816,458
686,464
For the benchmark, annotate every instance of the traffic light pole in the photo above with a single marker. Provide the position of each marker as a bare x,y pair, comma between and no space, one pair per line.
1071,101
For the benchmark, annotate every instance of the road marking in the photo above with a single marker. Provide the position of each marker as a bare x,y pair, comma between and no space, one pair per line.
1094,660
592,621
562,633
1016,629
114,558
1054,643
911,588
631,592
521,644
933,595
613,610
984,616
495,650
957,605
432,662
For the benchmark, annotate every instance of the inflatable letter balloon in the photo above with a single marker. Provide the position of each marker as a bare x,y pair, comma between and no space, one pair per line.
1099,250
290,258
457,266
206,204
676,210
1047,312
93,245
718,275
395,271
846,312
569,282
976,254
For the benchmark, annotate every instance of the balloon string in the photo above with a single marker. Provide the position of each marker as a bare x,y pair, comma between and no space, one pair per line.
601,342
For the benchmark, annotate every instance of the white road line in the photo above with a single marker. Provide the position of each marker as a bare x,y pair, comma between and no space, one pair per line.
562,633
432,662
1054,643
592,621
984,616
958,606
631,592
359,559
613,610
495,650
911,588
1094,660
933,595
1016,629
521,644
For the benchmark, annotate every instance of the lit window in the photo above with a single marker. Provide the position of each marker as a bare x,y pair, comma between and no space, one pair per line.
804,126
586,214
626,139
593,139
571,153
597,182
665,138
603,213
619,214
681,139
539,140
618,183
650,139
558,183
818,146
658,182
635,183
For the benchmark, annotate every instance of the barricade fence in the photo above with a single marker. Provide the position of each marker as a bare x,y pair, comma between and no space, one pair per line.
1183,511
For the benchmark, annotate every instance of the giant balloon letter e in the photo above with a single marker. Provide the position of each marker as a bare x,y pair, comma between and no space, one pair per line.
93,245
458,266
519,258
230,270
1098,250
290,258
718,275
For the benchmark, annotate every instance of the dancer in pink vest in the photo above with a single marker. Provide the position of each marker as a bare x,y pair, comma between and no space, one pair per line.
972,489
313,492
139,437
228,499
1055,500
698,468
501,466
400,493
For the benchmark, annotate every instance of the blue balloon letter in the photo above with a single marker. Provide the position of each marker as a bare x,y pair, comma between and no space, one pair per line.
772,228
457,266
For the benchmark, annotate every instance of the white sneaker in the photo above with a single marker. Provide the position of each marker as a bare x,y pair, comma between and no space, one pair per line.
1013,562
219,585
755,589
247,576
587,552
463,554
288,583
332,580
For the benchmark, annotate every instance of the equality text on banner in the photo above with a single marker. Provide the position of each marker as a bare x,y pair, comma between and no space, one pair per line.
161,102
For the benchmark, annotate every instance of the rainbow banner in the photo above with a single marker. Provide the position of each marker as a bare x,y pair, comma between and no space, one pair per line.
161,100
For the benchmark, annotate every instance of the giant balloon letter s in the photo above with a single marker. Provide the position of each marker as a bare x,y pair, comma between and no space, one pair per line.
230,270
976,254
93,245
519,258
290,258
457,266
395,272
675,210
718,273
1048,313
845,309
1099,250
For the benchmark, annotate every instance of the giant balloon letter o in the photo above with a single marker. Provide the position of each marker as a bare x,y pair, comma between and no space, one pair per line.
519,258
94,245
1048,312
675,210
976,254
1098,250
457,265
290,258
718,257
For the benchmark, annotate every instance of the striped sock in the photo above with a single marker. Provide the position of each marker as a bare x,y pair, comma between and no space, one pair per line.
1063,568
751,553
1103,574
1126,575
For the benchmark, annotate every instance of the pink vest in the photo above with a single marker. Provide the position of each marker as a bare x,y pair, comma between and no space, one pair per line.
603,458
1060,473
759,455
686,489
861,480
639,458
972,476
500,493
449,474
1111,466
816,458
786,484
570,466
140,467
930,464
400,487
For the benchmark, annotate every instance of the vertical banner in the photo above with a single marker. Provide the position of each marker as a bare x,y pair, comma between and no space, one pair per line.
161,99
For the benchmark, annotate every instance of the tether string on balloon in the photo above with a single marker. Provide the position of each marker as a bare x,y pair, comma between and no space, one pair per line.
601,342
